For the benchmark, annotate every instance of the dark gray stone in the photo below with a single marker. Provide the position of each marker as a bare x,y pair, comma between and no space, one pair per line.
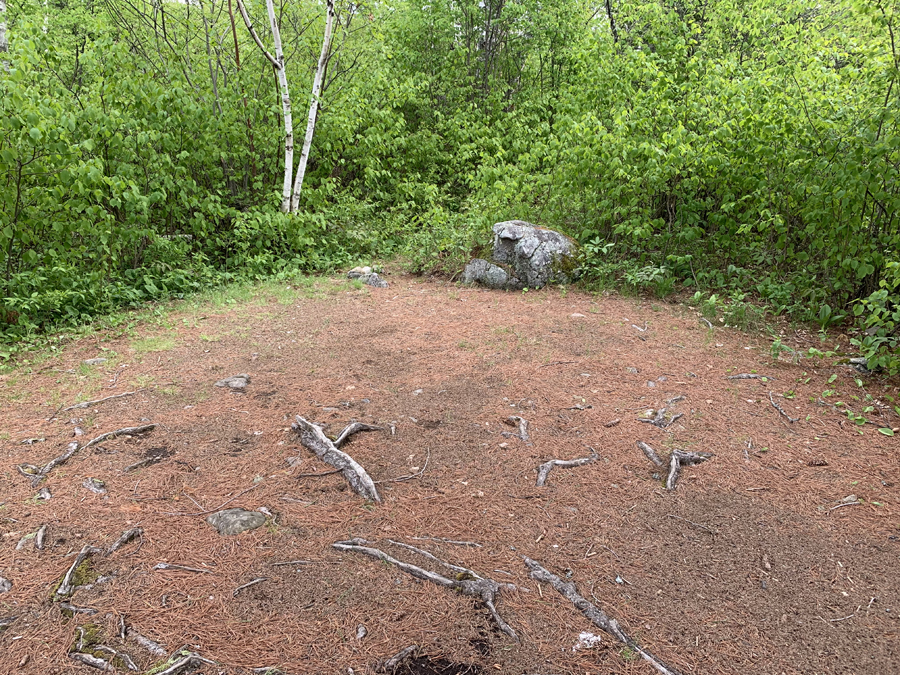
236,382
235,521
537,256
487,274
373,280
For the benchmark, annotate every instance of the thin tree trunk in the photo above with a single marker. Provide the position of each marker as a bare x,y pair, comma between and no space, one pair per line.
4,44
314,104
286,106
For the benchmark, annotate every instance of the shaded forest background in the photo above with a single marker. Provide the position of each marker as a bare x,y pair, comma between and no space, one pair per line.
745,149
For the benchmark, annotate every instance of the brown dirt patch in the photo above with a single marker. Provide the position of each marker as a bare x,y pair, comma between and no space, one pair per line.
746,567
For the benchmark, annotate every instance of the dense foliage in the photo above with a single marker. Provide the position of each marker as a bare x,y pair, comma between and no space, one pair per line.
748,148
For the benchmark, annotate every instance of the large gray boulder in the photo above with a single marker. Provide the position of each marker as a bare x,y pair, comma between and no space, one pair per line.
527,257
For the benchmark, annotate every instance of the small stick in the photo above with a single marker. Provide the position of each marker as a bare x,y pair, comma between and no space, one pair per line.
390,666
612,423
484,589
702,527
88,404
40,537
148,461
781,410
312,436
557,363
203,513
523,427
749,376
317,475
127,536
258,580
189,660
840,506
569,591
650,453
706,321
426,554
77,610
180,568
418,473
351,429
449,541
545,468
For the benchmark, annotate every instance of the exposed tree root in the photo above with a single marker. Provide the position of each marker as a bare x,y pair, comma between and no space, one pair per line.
92,661
153,647
749,376
545,468
188,660
353,428
127,536
390,666
312,437
650,453
678,459
449,541
37,474
522,424
484,589
180,568
88,404
569,591
65,588
781,410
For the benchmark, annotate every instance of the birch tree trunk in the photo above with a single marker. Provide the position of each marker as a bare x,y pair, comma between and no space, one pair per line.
286,105
314,103
4,43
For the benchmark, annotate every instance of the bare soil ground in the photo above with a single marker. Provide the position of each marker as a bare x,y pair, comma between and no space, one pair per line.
746,567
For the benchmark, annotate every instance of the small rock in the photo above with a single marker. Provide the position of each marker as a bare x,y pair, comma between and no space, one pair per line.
417,392
94,362
236,382
43,493
633,371
372,280
5,585
651,384
587,641
95,485
235,521
576,315
358,272
361,632
849,499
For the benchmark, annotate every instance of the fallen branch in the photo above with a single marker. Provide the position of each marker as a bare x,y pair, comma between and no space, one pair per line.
88,404
456,568
147,461
650,453
484,589
840,506
180,568
569,591
40,537
312,437
781,410
124,431
127,536
749,376
523,427
258,580
659,420
545,468
65,588
77,610
391,665
188,660
153,647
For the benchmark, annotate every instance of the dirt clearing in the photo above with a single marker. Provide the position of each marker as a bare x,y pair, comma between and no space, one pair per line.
778,554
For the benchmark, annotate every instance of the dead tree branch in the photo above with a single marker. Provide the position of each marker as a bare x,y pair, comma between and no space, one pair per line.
312,437
781,410
569,591
545,468
680,458
258,580
127,536
650,453
353,428
484,589
749,376
88,404
390,666
65,588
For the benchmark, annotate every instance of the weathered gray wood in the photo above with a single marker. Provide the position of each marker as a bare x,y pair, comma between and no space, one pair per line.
545,468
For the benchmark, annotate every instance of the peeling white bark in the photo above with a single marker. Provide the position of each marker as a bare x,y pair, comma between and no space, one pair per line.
314,103
4,43
286,106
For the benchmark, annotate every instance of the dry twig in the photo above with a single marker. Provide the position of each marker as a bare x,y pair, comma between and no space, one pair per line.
180,568
312,436
781,410
545,468
127,536
569,591
749,376
680,458
449,541
88,404
258,580
390,666
484,589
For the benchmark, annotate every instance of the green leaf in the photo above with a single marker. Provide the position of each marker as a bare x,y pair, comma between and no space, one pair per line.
886,431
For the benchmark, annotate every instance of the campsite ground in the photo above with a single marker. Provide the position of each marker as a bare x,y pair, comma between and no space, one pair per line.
778,555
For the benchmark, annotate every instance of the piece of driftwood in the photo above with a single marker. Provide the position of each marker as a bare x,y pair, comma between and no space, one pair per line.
127,536
749,376
312,437
782,411
600,619
258,580
650,453
92,661
65,588
545,468
88,404
392,664
484,589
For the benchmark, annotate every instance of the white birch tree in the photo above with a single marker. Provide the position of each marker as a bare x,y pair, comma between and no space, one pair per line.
4,43
277,62
314,103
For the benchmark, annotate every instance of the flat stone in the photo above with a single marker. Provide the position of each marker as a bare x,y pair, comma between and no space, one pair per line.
487,274
5,585
236,382
235,521
94,362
